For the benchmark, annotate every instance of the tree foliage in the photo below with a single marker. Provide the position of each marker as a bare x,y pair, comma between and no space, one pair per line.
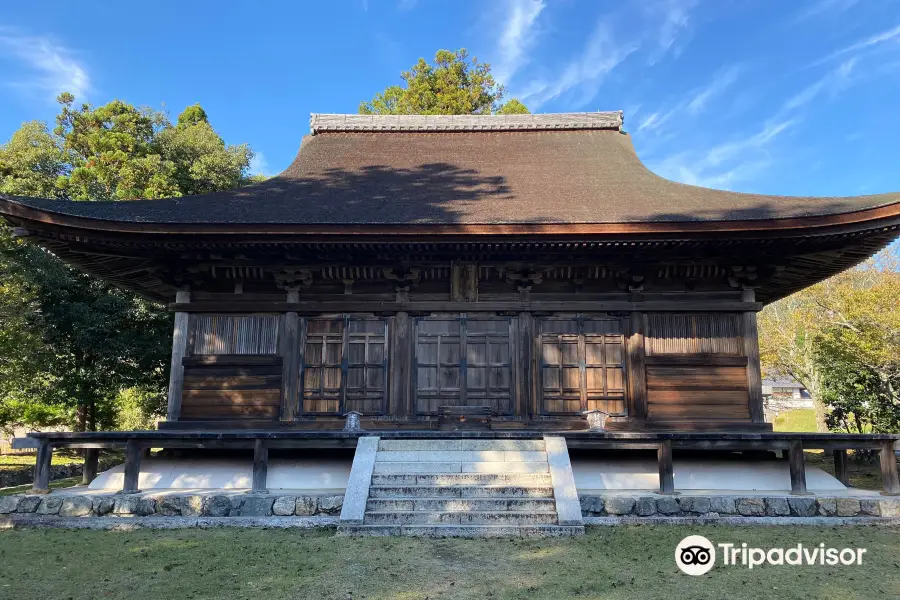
454,85
841,339
73,349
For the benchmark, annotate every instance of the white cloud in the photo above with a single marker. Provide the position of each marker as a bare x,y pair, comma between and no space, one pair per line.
891,35
585,72
826,7
517,37
725,164
259,165
674,18
52,68
833,82
721,81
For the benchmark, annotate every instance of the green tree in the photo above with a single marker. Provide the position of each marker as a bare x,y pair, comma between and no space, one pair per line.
841,339
74,349
454,85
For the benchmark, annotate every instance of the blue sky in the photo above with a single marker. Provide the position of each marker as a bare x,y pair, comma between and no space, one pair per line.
786,97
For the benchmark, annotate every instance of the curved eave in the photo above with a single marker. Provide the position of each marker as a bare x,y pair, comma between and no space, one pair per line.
19,213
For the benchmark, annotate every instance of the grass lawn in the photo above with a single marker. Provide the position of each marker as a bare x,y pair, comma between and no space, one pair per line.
610,562
21,461
801,419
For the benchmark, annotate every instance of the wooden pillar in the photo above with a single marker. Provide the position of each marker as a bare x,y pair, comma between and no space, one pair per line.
399,361
637,372
133,451
889,476
666,467
840,466
797,467
91,463
290,353
41,483
523,370
180,337
260,466
751,350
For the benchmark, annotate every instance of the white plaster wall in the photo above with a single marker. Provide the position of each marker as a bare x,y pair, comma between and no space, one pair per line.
642,474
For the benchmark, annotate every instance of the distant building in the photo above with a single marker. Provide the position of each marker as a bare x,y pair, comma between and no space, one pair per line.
783,394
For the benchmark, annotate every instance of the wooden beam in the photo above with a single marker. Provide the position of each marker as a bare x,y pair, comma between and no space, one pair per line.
797,467
751,350
41,483
290,352
889,476
260,466
637,370
180,337
523,368
133,452
840,466
385,306
666,467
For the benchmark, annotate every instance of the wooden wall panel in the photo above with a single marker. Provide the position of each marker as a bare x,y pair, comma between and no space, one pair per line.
231,334
232,387
700,333
698,390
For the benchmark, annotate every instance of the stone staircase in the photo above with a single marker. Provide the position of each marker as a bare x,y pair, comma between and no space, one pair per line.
461,488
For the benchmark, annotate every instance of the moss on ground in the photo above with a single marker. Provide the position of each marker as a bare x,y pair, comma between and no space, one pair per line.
617,563
801,419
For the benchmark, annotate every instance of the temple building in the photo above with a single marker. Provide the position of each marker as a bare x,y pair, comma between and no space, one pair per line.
466,275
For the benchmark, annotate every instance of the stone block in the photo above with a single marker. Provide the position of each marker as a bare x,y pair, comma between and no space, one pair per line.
847,507
103,505
220,506
135,506
29,504
827,507
697,505
76,506
191,505
284,506
591,505
645,507
869,507
620,505
802,506
751,507
667,505
255,506
169,506
305,506
777,506
889,507
50,505
330,505
724,505
9,504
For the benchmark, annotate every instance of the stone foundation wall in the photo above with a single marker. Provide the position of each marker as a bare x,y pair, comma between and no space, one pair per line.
737,506
171,505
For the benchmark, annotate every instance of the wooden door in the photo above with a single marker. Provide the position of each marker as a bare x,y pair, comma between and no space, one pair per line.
462,361
582,365
344,366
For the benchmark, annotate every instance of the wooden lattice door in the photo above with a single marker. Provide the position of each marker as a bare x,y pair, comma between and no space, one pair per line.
463,361
582,365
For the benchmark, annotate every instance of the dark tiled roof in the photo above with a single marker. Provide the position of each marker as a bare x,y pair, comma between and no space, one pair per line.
377,175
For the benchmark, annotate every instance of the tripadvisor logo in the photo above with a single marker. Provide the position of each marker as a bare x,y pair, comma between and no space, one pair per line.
696,555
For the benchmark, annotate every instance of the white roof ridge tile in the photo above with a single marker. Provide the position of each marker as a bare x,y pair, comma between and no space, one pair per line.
320,122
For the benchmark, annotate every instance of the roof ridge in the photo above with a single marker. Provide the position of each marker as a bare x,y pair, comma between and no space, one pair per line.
319,122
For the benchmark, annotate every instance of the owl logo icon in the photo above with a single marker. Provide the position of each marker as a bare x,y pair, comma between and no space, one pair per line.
695,555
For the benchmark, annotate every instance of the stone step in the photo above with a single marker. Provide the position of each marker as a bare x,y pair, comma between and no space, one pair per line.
461,518
462,531
460,445
460,467
464,479
461,491
462,504
461,456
